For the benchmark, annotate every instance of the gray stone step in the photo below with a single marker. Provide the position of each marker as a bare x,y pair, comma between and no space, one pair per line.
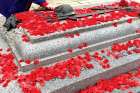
53,48
90,77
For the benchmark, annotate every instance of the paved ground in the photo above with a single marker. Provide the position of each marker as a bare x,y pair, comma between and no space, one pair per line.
76,3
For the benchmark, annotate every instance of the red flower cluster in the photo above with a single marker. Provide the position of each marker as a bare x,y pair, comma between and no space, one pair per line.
124,46
82,45
138,31
102,61
8,68
36,22
72,35
122,82
69,68
119,47
25,38
123,3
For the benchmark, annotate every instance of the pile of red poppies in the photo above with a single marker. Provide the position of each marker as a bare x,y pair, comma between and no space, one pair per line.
8,68
37,22
122,82
69,68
